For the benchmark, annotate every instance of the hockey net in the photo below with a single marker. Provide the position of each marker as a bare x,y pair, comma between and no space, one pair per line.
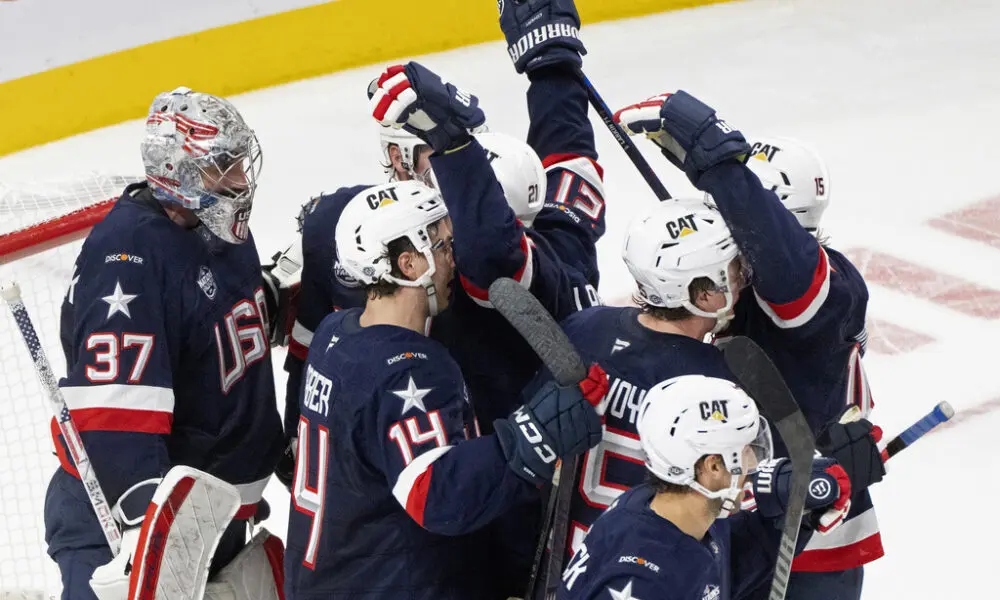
41,230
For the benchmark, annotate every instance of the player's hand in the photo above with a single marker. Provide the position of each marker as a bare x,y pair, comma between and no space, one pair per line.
828,496
282,282
854,446
541,33
558,422
686,130
421,102
110,581
284,471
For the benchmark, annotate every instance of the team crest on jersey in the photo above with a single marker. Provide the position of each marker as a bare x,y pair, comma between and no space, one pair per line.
206,281
343,277
711,593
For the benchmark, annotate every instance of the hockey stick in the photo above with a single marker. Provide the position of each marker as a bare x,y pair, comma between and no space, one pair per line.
12,295
764,383
526,314
623,139
942,413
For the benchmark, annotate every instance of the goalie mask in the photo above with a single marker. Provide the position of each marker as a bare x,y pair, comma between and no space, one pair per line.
675,243
380,215
796,174
686,418
199,153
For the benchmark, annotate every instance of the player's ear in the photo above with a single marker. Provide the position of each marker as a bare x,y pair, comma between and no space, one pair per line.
396,158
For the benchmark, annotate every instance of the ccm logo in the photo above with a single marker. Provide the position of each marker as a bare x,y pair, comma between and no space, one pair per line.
534,437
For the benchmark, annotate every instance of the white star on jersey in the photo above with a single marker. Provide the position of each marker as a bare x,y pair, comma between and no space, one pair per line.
623,594
118,301
412,396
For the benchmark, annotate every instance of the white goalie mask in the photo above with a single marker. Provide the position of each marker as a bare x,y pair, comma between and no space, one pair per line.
519,171
674,243
199,153
691,416
380,215
796,174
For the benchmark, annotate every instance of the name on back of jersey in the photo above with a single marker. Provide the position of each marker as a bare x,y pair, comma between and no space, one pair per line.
317,392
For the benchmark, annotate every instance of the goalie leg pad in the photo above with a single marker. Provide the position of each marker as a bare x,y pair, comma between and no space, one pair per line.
187,517
257,572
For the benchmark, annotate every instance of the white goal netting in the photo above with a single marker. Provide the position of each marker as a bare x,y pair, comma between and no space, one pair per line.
41,229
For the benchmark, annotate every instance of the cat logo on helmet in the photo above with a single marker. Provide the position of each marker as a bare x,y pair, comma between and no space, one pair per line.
206,281
383,197
681,227
716,410
764,152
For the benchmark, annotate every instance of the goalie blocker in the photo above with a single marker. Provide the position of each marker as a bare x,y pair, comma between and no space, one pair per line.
170,556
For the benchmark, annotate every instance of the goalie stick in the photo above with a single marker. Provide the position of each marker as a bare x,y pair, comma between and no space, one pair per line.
526,314
764,383
12,295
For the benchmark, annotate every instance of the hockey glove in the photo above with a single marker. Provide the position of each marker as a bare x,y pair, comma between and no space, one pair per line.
541,33
285,469
282,282
828,496
558,422
855,447
421,102
686,130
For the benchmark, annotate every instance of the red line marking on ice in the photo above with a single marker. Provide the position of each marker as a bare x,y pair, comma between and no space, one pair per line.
916,280
890,339
979,222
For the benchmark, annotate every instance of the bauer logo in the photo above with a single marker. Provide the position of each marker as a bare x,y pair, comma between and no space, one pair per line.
123,257
206,281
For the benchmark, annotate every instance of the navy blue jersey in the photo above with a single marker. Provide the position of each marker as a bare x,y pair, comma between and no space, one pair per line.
632,552
636,358
392,478
167,359
326,286
806,309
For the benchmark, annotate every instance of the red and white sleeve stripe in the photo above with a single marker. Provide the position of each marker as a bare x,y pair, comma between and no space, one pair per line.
119,407
299,342
858,391
856,542
799,312
414,482
524,274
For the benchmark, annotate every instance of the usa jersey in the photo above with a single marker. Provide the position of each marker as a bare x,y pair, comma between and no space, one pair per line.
634,553
325,287
168,364
636,359
806,309
392,478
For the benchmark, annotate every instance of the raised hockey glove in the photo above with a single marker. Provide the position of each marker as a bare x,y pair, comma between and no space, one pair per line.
541,33
415,98
282,282
855,447
558,422
828,497
686,130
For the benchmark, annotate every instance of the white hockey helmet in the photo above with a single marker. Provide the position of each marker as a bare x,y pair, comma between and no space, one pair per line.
691,416
409,147
192,138
519,171
796,174
674,243
381,214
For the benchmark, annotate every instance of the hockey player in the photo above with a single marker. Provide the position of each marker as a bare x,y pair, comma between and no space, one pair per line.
163,331
391,476
677,537
807,304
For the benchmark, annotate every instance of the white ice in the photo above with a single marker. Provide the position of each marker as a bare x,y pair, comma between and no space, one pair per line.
899,96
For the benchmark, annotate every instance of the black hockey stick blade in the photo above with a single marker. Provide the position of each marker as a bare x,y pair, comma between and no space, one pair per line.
539,329
761,379
527,315
623,139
